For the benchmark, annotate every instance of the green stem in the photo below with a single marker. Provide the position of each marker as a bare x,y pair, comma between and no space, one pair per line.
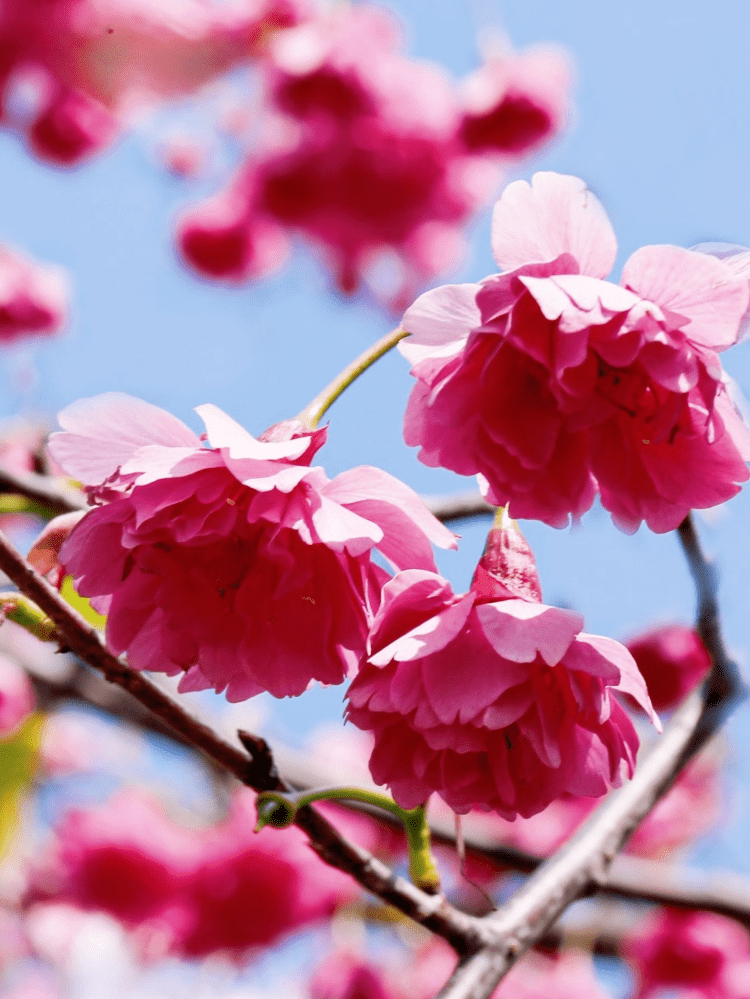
278,810
314,411
15,503
18,608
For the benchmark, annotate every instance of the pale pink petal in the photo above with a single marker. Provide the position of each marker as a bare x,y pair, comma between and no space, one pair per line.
343,530
520,631
408,526
555,214
102,433
440,322
698,287
225,433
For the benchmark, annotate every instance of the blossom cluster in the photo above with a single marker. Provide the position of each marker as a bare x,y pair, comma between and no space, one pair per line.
377,159
71,71
190,892
555,385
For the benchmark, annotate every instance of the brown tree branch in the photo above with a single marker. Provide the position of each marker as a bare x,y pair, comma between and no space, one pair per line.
584,863
45,489
633,878
463,932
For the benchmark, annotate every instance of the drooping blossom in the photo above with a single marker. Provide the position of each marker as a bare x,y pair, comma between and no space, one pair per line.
33,297
378,160
492,699
72,70
235,563
191,892
554,384
672,660
698,951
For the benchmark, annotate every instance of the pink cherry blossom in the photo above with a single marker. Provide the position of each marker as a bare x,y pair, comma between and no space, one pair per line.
72,70
347,975
191,892
378,160
492,699
690,950
672,660
33,297
554,384
235,563
515,103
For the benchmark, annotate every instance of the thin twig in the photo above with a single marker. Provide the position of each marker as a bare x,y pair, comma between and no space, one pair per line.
583,864
51,492
459,506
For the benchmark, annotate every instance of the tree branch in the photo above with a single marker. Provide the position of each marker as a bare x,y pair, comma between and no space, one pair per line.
255,769
458,507
583,864
50,492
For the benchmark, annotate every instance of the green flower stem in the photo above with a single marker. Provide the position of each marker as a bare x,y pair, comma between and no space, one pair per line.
16,607
278,810
15,503
312,413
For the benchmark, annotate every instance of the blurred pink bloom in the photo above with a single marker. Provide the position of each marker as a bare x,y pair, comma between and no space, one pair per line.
84,65
235,563
492,699
690,950
377,159
553,383
672,660
189,892
346,975
514,104
17,699
33,297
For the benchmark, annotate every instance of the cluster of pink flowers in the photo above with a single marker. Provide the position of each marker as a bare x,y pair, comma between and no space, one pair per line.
554,384
71,70
699,952
492,699
237,564
33,297
188,892
371,156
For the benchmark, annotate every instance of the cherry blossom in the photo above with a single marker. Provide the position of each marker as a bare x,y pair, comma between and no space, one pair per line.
71,70
235,563
33,297
690,950
554,384
377,159
17,699
191,892
492,699
672,660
